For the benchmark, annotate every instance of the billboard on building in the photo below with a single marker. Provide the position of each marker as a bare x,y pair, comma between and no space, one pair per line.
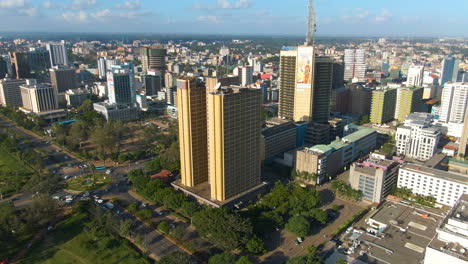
305,60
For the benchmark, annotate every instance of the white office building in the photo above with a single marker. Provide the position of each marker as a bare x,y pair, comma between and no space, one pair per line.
105,64
10,92
355,64
39,97
246,75
454,102
58,54
121,84
415,75
418,138
117,112
450,243
445,186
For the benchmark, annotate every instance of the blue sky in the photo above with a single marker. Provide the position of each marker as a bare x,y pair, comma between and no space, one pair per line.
225,17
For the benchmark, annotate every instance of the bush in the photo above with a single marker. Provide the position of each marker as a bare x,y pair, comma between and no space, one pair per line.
133,208
163,226
145,214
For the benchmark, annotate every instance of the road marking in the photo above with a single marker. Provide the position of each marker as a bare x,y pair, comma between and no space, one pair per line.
414,247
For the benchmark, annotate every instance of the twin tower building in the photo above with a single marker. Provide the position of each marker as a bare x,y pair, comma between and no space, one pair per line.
220,140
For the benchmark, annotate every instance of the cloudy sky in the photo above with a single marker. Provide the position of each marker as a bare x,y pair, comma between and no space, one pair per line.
266,17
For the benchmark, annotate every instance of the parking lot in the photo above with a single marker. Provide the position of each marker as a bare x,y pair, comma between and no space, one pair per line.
393,234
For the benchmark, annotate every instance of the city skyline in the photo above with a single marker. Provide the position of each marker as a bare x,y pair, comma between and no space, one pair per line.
250,17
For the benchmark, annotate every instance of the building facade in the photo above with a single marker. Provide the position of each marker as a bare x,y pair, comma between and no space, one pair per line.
39,98
446,187
63,78
121,84
418,138
58,54
454,102
192,110
10,92
355,64
375,177
234,133
287,83
409,100
153,58
383,106
415,76
246,75
450,67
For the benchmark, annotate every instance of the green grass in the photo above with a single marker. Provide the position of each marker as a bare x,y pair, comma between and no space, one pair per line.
69,244
13,173
81,183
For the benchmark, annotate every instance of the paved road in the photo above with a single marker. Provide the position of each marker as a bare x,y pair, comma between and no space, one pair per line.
157,244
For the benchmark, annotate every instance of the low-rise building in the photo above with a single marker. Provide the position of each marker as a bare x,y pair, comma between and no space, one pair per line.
418,138
451,241
445,186
330,159
116,112
375,176
76,97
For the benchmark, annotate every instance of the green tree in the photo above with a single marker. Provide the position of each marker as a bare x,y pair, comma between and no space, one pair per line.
222,228
298,225
223,258
176,257
256,246
125,227
244,260
145,214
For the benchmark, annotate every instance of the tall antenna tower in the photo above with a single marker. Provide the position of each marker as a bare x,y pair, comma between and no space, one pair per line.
311,26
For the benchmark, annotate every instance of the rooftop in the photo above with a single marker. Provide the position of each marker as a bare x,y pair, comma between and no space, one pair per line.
268,132
451,176
361,133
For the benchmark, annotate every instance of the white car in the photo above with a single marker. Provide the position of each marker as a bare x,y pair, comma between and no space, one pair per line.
108,172
55,197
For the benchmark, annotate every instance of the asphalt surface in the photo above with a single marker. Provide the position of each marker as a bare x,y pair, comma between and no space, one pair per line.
155,242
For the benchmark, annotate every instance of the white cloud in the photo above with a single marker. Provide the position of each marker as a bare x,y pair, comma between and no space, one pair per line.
130,4
384,16
225,4
209,19
356,15
13,3
83,4
79,17
32,12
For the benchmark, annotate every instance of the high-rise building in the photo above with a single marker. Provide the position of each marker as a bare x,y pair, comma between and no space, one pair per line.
121,84
454,102
20,65
246,75
39,98
153,58
171,96
105,64
462,76
415,75
355,64
234,131
3,68
383,106
323,82
450,67
287,83
63,78
38,59
409,100
58,54
304,90
10,92
192,112
462,149
360,100
418,138
152,82
338,72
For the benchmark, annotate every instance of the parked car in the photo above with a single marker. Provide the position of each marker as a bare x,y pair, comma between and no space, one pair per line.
159,212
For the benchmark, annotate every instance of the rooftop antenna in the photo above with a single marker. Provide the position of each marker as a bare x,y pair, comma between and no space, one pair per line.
311,26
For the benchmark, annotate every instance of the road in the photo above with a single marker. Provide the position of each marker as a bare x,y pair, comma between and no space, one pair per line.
157,244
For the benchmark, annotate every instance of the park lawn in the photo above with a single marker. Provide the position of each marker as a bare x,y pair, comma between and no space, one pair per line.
13,174
67,244
80,183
